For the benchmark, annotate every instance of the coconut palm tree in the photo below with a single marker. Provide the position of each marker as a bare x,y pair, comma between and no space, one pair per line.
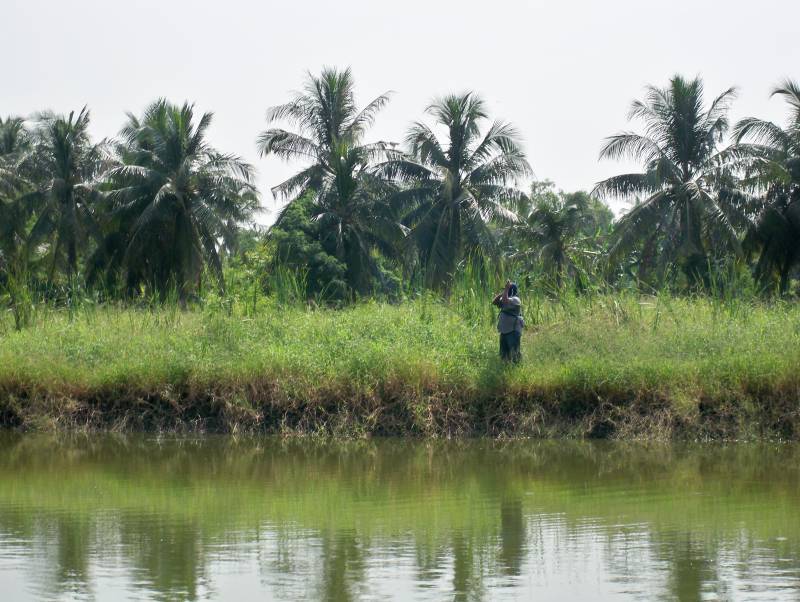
14,215
349,199
455,187
770,156
174,200
687,206
14,136
63,164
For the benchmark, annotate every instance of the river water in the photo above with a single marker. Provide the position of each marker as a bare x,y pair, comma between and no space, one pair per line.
133,518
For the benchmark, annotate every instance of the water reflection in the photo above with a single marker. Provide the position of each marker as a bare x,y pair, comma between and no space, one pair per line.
189,519
512,536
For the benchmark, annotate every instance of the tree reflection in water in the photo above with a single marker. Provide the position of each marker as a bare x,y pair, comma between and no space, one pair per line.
174,519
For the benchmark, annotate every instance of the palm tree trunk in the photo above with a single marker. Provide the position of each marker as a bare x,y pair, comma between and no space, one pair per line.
559,268
72,262
784,283
695,262
647,260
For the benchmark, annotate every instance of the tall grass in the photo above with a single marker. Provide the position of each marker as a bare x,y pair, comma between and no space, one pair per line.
20,301
593,364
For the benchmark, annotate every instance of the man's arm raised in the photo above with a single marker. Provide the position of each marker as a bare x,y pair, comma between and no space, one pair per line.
504,298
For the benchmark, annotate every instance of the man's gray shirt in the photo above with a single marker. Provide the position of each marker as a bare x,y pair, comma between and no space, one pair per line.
509,323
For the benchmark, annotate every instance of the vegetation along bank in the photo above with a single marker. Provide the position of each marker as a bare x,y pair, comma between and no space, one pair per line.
620,366
138,290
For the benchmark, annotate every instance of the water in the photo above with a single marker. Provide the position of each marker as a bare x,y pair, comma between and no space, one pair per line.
105,518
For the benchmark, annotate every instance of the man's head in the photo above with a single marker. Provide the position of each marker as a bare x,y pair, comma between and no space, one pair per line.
513,291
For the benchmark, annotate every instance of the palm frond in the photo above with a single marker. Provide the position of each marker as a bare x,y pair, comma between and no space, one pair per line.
761,132
632,185
629,145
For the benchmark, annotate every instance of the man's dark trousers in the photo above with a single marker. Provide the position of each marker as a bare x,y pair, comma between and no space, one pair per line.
509,346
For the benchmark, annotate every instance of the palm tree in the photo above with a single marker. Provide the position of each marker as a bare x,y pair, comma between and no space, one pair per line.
63,164
560,233
349,199
687,206
175,199
771,161
14,215
456,187
14,136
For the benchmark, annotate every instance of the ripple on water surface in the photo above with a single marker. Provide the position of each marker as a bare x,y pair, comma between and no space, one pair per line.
117,518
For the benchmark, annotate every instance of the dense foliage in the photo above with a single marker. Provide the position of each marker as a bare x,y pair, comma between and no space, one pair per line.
454,190
348,198
174,201
148,214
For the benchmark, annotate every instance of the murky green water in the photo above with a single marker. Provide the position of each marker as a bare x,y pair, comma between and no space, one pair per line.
108,518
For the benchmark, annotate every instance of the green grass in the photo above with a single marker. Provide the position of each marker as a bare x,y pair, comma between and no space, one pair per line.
621,365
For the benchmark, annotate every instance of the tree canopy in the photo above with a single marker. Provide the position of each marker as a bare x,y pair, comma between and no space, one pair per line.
687,206
158,210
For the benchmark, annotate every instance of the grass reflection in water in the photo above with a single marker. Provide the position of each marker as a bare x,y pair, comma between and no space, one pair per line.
92,517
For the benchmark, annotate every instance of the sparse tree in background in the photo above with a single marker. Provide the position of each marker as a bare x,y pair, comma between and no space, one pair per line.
560,234
349,198
770,158
688,208
174,199
454,188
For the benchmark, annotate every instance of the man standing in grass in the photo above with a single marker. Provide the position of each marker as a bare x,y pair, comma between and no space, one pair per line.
510,322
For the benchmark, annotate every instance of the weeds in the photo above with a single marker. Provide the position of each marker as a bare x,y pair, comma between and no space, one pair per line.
593,365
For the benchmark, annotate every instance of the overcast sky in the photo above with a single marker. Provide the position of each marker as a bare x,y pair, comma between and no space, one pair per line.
564,71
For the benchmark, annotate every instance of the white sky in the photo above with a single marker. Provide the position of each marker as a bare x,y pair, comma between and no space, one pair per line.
564,72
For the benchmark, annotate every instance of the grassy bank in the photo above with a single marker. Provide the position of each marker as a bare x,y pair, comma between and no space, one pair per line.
601,366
